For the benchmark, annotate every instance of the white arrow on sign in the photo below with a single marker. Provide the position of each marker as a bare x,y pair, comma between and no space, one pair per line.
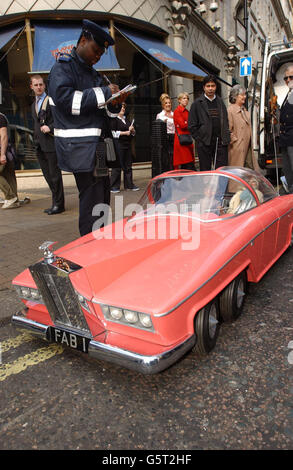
245,65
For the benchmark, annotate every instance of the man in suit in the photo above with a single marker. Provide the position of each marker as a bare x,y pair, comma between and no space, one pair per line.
286,130
208,125
44,139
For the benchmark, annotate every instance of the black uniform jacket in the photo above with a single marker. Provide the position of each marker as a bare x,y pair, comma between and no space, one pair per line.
200,123
77,97
44,141
286,124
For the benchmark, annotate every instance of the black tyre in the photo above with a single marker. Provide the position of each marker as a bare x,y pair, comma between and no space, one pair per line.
232,298
207,325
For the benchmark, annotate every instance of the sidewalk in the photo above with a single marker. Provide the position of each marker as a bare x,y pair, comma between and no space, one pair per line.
24,229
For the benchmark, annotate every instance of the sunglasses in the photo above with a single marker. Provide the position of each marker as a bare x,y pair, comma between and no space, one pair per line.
290,77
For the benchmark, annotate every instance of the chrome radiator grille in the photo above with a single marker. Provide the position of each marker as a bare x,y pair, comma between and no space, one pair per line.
59,295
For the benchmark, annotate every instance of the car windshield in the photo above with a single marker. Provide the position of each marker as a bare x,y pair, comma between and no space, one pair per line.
256,180
207,196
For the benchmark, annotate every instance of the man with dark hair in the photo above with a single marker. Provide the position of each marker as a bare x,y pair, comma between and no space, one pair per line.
208,125
44,140
78,97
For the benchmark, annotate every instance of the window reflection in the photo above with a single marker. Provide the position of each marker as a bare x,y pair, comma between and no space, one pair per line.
209,196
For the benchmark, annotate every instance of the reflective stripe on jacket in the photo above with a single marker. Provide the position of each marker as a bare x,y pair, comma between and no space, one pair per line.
77,98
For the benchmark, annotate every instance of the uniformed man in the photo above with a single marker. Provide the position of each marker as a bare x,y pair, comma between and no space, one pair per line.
286,130
77,97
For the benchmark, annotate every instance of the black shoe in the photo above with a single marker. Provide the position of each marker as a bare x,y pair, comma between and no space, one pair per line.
55,210
47,210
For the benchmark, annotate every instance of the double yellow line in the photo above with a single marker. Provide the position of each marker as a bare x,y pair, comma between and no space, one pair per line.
29,360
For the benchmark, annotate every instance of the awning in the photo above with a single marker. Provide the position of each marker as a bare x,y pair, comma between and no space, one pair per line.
51,39
7,34
176,63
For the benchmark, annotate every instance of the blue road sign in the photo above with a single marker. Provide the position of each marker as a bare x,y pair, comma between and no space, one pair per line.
245,66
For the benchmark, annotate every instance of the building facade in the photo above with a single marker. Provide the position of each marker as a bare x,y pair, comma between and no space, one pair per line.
160,46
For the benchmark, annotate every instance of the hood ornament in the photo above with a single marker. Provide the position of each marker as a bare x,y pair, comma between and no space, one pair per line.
62,264
46,248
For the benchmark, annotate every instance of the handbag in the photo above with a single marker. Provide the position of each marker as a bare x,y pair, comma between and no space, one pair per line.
110,150
10,153
184,139
106,156
42,114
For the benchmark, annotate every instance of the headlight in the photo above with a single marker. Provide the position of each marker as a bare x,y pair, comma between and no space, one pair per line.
83,301
35,294
25,291
28,293
145,320
128,317
116,313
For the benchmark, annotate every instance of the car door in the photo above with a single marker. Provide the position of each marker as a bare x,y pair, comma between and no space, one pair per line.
284,209
268,215
269,219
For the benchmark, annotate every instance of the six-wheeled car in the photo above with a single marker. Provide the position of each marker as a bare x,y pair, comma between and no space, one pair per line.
143,290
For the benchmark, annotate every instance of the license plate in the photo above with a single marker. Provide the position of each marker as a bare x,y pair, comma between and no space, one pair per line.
67,338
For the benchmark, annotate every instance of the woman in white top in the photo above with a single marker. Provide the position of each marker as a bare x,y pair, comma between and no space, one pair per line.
166,115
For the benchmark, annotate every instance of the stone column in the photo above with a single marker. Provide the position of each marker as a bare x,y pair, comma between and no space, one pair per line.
177,20
231,61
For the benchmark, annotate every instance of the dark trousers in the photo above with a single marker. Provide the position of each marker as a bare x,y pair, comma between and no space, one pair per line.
187,166
92,190
53,176
170,139
207,155
126,166
287,154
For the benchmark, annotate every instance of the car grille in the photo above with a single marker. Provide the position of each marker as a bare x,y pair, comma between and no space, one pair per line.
58,294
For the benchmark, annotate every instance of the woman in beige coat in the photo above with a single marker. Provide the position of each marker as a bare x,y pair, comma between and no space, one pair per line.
240,151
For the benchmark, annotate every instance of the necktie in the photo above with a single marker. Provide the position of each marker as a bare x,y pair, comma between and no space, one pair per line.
38,98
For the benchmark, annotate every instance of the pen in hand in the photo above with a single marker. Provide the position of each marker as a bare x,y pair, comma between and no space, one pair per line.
107,79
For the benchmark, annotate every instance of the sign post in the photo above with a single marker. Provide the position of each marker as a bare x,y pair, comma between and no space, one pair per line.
245,66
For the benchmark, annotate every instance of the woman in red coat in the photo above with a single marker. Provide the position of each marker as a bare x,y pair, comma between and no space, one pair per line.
183,156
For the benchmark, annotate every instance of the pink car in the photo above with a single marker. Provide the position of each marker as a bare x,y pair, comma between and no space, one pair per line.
144,290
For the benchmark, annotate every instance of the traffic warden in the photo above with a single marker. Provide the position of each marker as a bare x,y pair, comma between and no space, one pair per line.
77,97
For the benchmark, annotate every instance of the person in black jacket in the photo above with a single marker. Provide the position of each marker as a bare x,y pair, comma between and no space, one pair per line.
208,125
123,131
286,130
78,96
44,140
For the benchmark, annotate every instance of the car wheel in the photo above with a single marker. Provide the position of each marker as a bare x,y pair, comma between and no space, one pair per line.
207,325
232,298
